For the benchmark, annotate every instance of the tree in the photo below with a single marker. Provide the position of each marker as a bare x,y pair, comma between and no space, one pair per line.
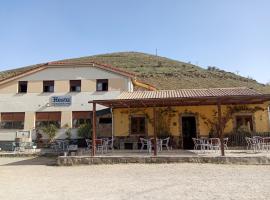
85,130
217,127
50,130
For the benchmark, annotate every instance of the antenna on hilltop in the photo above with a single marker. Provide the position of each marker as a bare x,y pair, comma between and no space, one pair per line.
156,51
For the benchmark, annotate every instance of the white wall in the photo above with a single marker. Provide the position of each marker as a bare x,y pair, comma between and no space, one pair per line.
71,73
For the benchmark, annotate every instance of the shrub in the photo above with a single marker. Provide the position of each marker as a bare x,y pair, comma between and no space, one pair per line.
67,131
85,130
50,130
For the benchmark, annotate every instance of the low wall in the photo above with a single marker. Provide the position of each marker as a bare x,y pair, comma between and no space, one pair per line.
87,160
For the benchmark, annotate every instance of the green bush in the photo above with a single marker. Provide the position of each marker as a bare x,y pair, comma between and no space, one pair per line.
50,130
85,130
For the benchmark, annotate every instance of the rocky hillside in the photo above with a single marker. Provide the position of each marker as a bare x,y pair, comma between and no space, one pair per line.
165,73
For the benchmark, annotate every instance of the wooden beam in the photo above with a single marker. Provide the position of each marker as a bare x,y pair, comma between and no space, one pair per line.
220,128
155,131
94,130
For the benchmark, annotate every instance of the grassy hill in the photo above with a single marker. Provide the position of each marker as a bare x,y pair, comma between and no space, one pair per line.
164,73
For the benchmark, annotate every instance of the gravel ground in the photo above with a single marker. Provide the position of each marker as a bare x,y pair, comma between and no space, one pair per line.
31,178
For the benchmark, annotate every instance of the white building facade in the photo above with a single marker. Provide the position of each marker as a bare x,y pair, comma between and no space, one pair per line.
58,93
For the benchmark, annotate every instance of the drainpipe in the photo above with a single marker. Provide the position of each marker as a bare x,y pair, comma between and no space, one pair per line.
112,128
143,85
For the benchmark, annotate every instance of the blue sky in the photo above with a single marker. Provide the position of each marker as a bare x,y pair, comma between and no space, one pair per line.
231,34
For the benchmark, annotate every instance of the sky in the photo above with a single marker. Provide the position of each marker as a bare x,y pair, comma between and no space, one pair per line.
233,35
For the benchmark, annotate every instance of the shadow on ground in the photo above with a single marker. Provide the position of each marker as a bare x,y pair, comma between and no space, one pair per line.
48,161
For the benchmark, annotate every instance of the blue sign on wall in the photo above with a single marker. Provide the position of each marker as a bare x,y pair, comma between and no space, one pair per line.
61,100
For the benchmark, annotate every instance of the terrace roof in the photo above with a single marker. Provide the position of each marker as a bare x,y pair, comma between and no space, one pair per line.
185,97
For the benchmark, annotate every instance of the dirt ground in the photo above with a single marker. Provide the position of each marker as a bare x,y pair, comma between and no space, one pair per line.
37,178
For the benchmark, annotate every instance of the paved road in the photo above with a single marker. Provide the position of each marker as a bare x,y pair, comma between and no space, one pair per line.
37,178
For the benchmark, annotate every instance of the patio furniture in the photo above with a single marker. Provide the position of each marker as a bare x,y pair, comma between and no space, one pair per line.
72,149
259,141
205,144
101,145
265,144
146,143
165,143
215,144
225,142
88,143
197,143
108,144
23,146
252,144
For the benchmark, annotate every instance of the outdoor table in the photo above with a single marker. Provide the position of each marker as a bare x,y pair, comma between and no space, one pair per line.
72,148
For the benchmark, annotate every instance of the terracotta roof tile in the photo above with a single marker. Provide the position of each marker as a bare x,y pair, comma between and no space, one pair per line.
189,93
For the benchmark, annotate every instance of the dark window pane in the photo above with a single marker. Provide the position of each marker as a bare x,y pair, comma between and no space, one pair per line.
106,120
75,85
138,125
48,86
22,86
244,123
102,85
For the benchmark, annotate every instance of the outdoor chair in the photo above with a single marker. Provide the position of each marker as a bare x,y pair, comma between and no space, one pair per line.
215,144
101,145
225,142
56,146
197,144
88,143
145,143
265,144
165,143
251,144
108,144
259,141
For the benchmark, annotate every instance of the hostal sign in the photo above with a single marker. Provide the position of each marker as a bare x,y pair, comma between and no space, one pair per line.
61,100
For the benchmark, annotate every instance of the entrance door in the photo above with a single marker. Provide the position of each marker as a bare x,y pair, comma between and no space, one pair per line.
188,131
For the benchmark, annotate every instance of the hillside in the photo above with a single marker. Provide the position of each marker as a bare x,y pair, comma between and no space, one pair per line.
164,73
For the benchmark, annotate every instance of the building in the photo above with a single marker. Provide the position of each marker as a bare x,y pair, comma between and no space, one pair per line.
58,93
186,114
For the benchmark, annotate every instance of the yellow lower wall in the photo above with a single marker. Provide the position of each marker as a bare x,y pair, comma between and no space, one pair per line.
121,121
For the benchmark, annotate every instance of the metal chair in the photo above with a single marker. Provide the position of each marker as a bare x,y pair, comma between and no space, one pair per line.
145,143
215,144
251,144
88,143
165,143
225,143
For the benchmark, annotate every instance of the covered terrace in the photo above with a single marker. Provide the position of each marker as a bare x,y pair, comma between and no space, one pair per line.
185,97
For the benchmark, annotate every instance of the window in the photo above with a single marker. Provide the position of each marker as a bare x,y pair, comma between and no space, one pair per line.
244,123
48,86
46,118
75,85
138,125
22,87
12,120
105,120
80,117
102,84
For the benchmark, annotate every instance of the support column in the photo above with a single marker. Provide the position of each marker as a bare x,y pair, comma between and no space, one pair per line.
220,129
155,131
94,129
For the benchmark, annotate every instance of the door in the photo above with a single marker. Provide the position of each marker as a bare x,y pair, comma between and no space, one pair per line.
188,131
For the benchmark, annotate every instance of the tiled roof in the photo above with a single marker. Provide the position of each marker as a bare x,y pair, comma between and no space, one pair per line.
189,93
